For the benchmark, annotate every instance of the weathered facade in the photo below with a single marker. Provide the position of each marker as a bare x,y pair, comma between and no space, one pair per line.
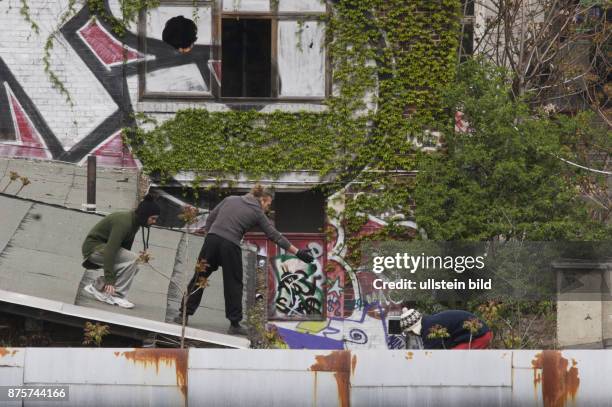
108,79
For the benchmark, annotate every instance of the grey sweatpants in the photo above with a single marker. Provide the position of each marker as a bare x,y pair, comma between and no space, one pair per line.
126,268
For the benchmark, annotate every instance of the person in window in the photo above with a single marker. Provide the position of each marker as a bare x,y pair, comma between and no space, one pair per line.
450,329
225,227
108,245
180,33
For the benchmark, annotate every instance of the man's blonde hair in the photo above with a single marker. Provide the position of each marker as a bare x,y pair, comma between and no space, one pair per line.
259,191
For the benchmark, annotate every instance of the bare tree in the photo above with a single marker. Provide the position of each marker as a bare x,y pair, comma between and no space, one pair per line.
557,50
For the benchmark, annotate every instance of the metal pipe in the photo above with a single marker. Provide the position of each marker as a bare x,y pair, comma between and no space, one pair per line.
91,184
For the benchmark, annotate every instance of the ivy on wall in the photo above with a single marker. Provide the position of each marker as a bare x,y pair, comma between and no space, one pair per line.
391,59
130,10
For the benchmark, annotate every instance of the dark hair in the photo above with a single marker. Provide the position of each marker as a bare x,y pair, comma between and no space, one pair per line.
147,208
180,32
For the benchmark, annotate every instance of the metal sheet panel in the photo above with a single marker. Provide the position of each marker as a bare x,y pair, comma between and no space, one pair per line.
119,395
270,359
253,388
581,377
11,370
431,396
432,368
148,367
12,357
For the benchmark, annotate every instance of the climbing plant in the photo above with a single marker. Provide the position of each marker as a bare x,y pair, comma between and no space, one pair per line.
391,59
130,9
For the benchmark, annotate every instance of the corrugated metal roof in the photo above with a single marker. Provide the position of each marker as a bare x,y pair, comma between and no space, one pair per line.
40,266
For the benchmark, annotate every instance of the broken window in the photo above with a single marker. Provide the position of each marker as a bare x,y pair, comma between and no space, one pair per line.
177,48
246,57
243,49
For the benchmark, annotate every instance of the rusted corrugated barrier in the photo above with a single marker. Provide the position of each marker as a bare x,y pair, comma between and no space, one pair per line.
226,377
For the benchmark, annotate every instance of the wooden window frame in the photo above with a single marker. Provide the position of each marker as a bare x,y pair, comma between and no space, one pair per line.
217,16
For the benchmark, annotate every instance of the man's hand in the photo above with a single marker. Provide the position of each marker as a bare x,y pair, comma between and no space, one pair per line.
109,289
305,256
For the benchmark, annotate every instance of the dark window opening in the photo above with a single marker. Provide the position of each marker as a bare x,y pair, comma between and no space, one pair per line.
246,58
467,42
292,212
467,7
299,212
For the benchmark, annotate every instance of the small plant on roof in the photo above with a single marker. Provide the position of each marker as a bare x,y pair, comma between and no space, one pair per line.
13,176
189,215
273,338
145,257
94,333
473,325
438,332
25,181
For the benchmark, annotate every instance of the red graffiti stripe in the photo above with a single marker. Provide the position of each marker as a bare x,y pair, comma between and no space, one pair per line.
107,48
29,142
114,153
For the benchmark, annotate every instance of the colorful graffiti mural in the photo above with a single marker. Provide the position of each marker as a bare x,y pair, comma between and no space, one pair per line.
298,287
356,312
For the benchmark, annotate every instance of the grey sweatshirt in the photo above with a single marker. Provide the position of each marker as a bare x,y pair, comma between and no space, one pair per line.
236,215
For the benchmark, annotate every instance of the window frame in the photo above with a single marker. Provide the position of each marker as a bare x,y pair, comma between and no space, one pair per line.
143,95
217,16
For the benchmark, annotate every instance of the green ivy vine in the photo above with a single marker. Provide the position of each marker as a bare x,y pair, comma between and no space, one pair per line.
390,61
399,54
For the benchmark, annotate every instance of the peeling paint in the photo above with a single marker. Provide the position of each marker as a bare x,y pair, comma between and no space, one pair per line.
178,357
409,355
340,363
550,369
353,363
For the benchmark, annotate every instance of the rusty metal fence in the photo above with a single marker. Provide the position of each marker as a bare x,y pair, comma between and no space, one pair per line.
213,377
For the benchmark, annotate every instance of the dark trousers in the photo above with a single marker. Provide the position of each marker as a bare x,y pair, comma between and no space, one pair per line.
218,251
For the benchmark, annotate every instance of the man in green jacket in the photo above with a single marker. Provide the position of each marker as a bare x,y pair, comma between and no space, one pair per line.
108,246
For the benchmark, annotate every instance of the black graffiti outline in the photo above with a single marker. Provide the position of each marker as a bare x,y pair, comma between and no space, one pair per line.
114,80
301,288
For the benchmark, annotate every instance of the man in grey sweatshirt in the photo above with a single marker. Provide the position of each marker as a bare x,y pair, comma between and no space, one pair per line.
225,227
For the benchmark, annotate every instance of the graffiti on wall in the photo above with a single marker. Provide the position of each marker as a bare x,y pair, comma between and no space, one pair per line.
356,312
298,286
98,71
109,78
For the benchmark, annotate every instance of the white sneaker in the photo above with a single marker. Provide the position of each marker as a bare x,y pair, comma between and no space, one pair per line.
98,295
122,302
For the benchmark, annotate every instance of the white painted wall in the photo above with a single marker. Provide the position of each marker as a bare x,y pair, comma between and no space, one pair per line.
22,50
